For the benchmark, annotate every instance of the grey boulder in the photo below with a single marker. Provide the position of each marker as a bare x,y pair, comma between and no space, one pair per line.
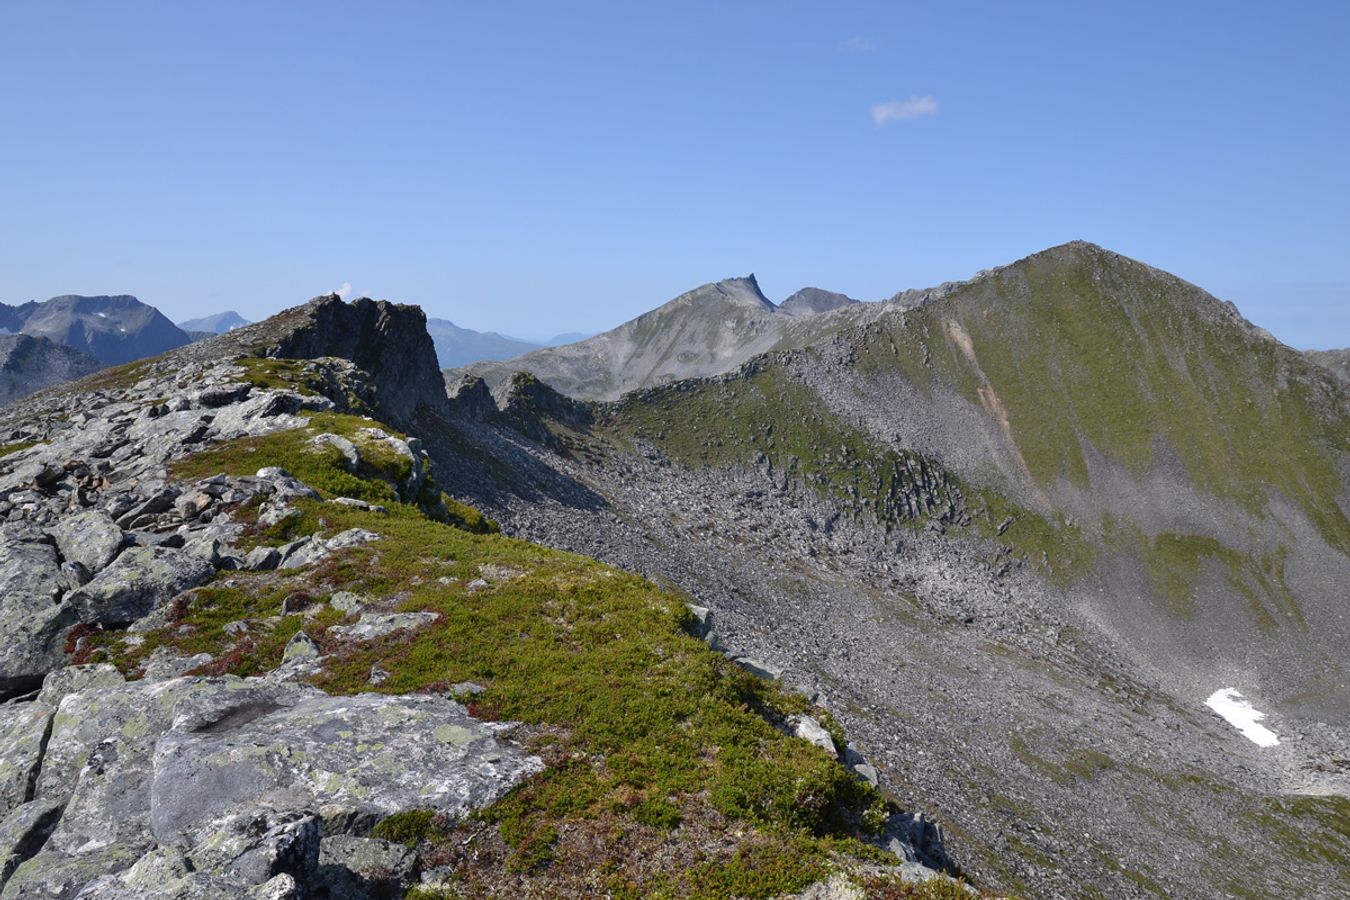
376,625
23,728
32,622
90,538
352,759
139,581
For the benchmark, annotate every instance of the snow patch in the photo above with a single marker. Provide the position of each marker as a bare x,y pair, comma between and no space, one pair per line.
1242,716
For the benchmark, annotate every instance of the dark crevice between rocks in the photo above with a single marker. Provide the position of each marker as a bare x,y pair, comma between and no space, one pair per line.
30,789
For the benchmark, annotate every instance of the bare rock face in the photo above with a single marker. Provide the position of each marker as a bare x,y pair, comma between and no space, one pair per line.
387,340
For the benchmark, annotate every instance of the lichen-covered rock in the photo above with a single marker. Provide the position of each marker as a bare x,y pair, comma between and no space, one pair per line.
353,759
300,646
90,538
32,623
52,875
256,846
23,831
165,874
71,679
355,868
376,625
140,580
23,727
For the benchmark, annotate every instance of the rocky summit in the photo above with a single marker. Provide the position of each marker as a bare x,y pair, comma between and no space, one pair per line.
1030,586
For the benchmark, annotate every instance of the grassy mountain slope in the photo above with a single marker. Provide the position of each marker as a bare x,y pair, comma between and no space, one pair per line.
1017,533
1133,436
671,771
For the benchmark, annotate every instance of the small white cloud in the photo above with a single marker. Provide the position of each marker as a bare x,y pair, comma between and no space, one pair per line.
344,291
899,110
857,44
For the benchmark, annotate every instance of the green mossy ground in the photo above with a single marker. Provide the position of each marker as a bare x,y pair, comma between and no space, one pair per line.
667,775
7,449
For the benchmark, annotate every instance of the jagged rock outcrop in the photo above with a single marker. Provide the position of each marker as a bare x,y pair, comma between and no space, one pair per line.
388,341
29,364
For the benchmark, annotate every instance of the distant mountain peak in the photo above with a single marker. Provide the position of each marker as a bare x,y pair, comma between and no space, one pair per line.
216,323
743,291
113,328
811,301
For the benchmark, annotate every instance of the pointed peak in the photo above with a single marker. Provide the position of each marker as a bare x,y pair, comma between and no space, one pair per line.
744,291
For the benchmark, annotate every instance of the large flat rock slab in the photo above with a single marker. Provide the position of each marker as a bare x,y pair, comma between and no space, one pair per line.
346,758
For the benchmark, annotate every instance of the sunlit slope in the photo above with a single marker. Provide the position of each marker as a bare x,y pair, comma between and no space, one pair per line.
1178,471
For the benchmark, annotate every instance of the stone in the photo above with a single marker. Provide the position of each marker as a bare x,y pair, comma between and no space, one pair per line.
299,553
23,831
74,575
164,664
32,624
72,679
192,504
159,501
262,558
376,625
55,875
351,457
346,601
701,626
809,729
255,846
352,537
90,538
23,731
355,868
139,581
757,667
273,514
166,874
300,646
356,758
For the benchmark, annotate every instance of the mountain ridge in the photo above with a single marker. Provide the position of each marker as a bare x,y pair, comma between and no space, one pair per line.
114,329
1071,483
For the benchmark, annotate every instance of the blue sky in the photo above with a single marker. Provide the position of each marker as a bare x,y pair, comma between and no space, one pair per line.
538,168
